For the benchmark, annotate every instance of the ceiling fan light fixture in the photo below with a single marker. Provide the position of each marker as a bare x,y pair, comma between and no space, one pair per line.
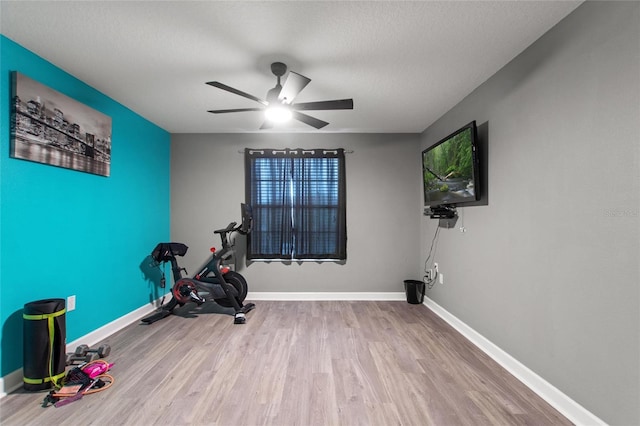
278,114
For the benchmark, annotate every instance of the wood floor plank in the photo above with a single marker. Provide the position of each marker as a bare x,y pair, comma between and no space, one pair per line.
296,363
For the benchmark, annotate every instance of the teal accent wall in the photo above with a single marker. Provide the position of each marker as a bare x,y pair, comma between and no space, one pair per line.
64,232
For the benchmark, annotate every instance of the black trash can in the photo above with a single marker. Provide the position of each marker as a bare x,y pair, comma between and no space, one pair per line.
415,291
44,344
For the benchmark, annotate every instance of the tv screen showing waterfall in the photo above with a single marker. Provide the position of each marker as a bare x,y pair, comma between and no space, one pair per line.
450,169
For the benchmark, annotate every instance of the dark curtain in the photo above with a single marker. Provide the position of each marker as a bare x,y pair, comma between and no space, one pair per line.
299,204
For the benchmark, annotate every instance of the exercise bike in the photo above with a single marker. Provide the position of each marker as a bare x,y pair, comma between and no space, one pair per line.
215,281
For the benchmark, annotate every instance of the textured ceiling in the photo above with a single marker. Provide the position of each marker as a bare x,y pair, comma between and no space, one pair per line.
404,63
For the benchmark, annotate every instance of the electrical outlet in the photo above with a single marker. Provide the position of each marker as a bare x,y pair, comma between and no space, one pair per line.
71,303
441,276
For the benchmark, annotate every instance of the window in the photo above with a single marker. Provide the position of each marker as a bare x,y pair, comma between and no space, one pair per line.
298,198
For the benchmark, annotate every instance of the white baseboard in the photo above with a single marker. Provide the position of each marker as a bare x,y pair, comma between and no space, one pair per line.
13,380
573,411
10,382
323,296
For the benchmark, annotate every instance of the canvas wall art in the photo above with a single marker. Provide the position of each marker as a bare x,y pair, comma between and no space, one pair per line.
51,128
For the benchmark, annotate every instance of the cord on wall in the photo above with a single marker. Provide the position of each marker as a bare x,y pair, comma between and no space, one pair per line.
431,274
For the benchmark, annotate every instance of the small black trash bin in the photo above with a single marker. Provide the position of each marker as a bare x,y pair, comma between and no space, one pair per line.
44,343
415,291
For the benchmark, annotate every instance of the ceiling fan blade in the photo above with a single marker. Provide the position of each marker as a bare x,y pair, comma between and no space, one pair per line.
236,91
266,124
223,111
307,119
292,87
324,105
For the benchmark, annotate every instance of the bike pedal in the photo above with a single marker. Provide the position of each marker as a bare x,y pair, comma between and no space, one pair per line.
195,298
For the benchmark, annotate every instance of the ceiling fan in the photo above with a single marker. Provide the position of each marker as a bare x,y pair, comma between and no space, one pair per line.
279,106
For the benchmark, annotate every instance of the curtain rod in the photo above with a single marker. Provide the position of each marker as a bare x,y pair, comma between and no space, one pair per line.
346,151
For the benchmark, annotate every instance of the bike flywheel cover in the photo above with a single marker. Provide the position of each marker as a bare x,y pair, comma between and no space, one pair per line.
182,290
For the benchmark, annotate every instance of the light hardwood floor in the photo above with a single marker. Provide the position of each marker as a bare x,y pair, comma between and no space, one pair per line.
296,363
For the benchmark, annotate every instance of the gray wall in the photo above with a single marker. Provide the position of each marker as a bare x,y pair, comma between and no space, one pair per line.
383,190
549,269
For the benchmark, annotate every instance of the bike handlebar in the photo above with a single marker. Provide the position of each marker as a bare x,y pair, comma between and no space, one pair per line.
229,228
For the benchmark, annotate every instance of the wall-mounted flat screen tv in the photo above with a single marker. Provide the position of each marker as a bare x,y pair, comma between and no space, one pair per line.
450,169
